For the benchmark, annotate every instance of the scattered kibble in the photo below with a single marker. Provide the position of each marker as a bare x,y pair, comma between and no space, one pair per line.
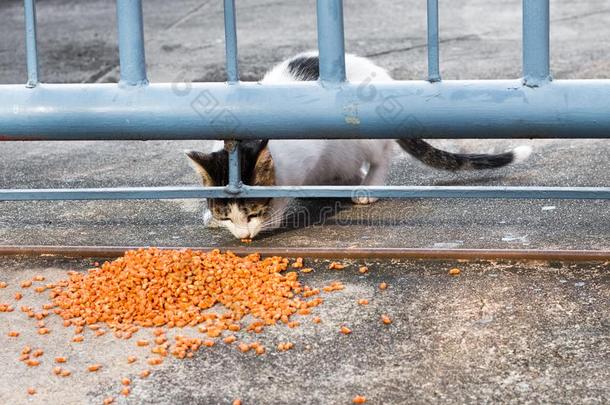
383,286
142,342
386,319
155,361
246,240
94,367
359,399
3,284
454,272
298,263
363,269
237,402
32,363
144,373
38,278
26,284
336,266
131,359
78,338
109,401
31,391
363,301
13,333
230,339
43,331
57,370
65,373
125,381
18,296
37,353
306,270
282,347
125,391
345,330
316,319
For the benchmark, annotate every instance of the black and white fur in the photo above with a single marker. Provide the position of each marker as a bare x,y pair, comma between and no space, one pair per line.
321,161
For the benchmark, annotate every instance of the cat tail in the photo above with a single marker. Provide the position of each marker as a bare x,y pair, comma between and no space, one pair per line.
440,159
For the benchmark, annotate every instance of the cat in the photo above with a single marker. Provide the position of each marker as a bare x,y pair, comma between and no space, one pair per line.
319,161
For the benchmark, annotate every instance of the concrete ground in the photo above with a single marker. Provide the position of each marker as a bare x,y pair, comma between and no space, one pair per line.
500,333
497,333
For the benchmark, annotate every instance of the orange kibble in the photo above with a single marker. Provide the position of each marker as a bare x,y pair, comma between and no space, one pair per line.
60,359
363,269
78,338
43,331
454,272
246,240
18,296
345,330
125,381
100,332
208,343
13,333
336,266
359,399
37,353
229,339
26,350
131,359
94,367
144,373
3,284
57,370
31,391
38,278
259,350
26,284
383,286
109,401
65,373
67,323
40,289
363,301
125,391
236,402
32,363
155,361
306,270
316,319
142,342
243,347
386,319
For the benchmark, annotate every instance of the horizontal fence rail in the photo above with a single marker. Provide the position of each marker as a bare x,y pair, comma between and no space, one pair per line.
413,109
534,106
148,193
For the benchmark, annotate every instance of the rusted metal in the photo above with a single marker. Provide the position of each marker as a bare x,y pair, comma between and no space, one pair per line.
346,253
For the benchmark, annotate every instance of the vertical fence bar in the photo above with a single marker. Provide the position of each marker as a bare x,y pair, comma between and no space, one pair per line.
231,42
331,43
29,7
131,42
434,74
232,147
536,33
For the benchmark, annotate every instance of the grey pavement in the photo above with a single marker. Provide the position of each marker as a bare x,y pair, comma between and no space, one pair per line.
502,333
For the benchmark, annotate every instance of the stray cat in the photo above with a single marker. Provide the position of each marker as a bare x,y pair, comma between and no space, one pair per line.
319,161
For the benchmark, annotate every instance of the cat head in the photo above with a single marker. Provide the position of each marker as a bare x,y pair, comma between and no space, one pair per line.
244,217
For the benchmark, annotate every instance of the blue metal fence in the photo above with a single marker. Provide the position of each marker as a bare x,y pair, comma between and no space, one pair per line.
134,109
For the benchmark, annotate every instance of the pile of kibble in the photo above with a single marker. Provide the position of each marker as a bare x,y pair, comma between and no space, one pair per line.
218,293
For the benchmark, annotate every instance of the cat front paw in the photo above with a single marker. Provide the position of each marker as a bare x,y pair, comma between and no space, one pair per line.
364,200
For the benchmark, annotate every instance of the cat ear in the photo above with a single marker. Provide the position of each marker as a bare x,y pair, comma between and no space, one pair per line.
264,169
201,163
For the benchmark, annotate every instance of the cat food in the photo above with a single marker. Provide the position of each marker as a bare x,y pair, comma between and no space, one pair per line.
363,269
386,319
94,367
383,286
31,391
336,266
454,272
345,330
359,399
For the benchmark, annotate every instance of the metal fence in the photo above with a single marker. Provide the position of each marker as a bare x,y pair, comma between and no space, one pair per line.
134,109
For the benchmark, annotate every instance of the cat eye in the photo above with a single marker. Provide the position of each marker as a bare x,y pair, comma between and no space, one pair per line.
251,216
